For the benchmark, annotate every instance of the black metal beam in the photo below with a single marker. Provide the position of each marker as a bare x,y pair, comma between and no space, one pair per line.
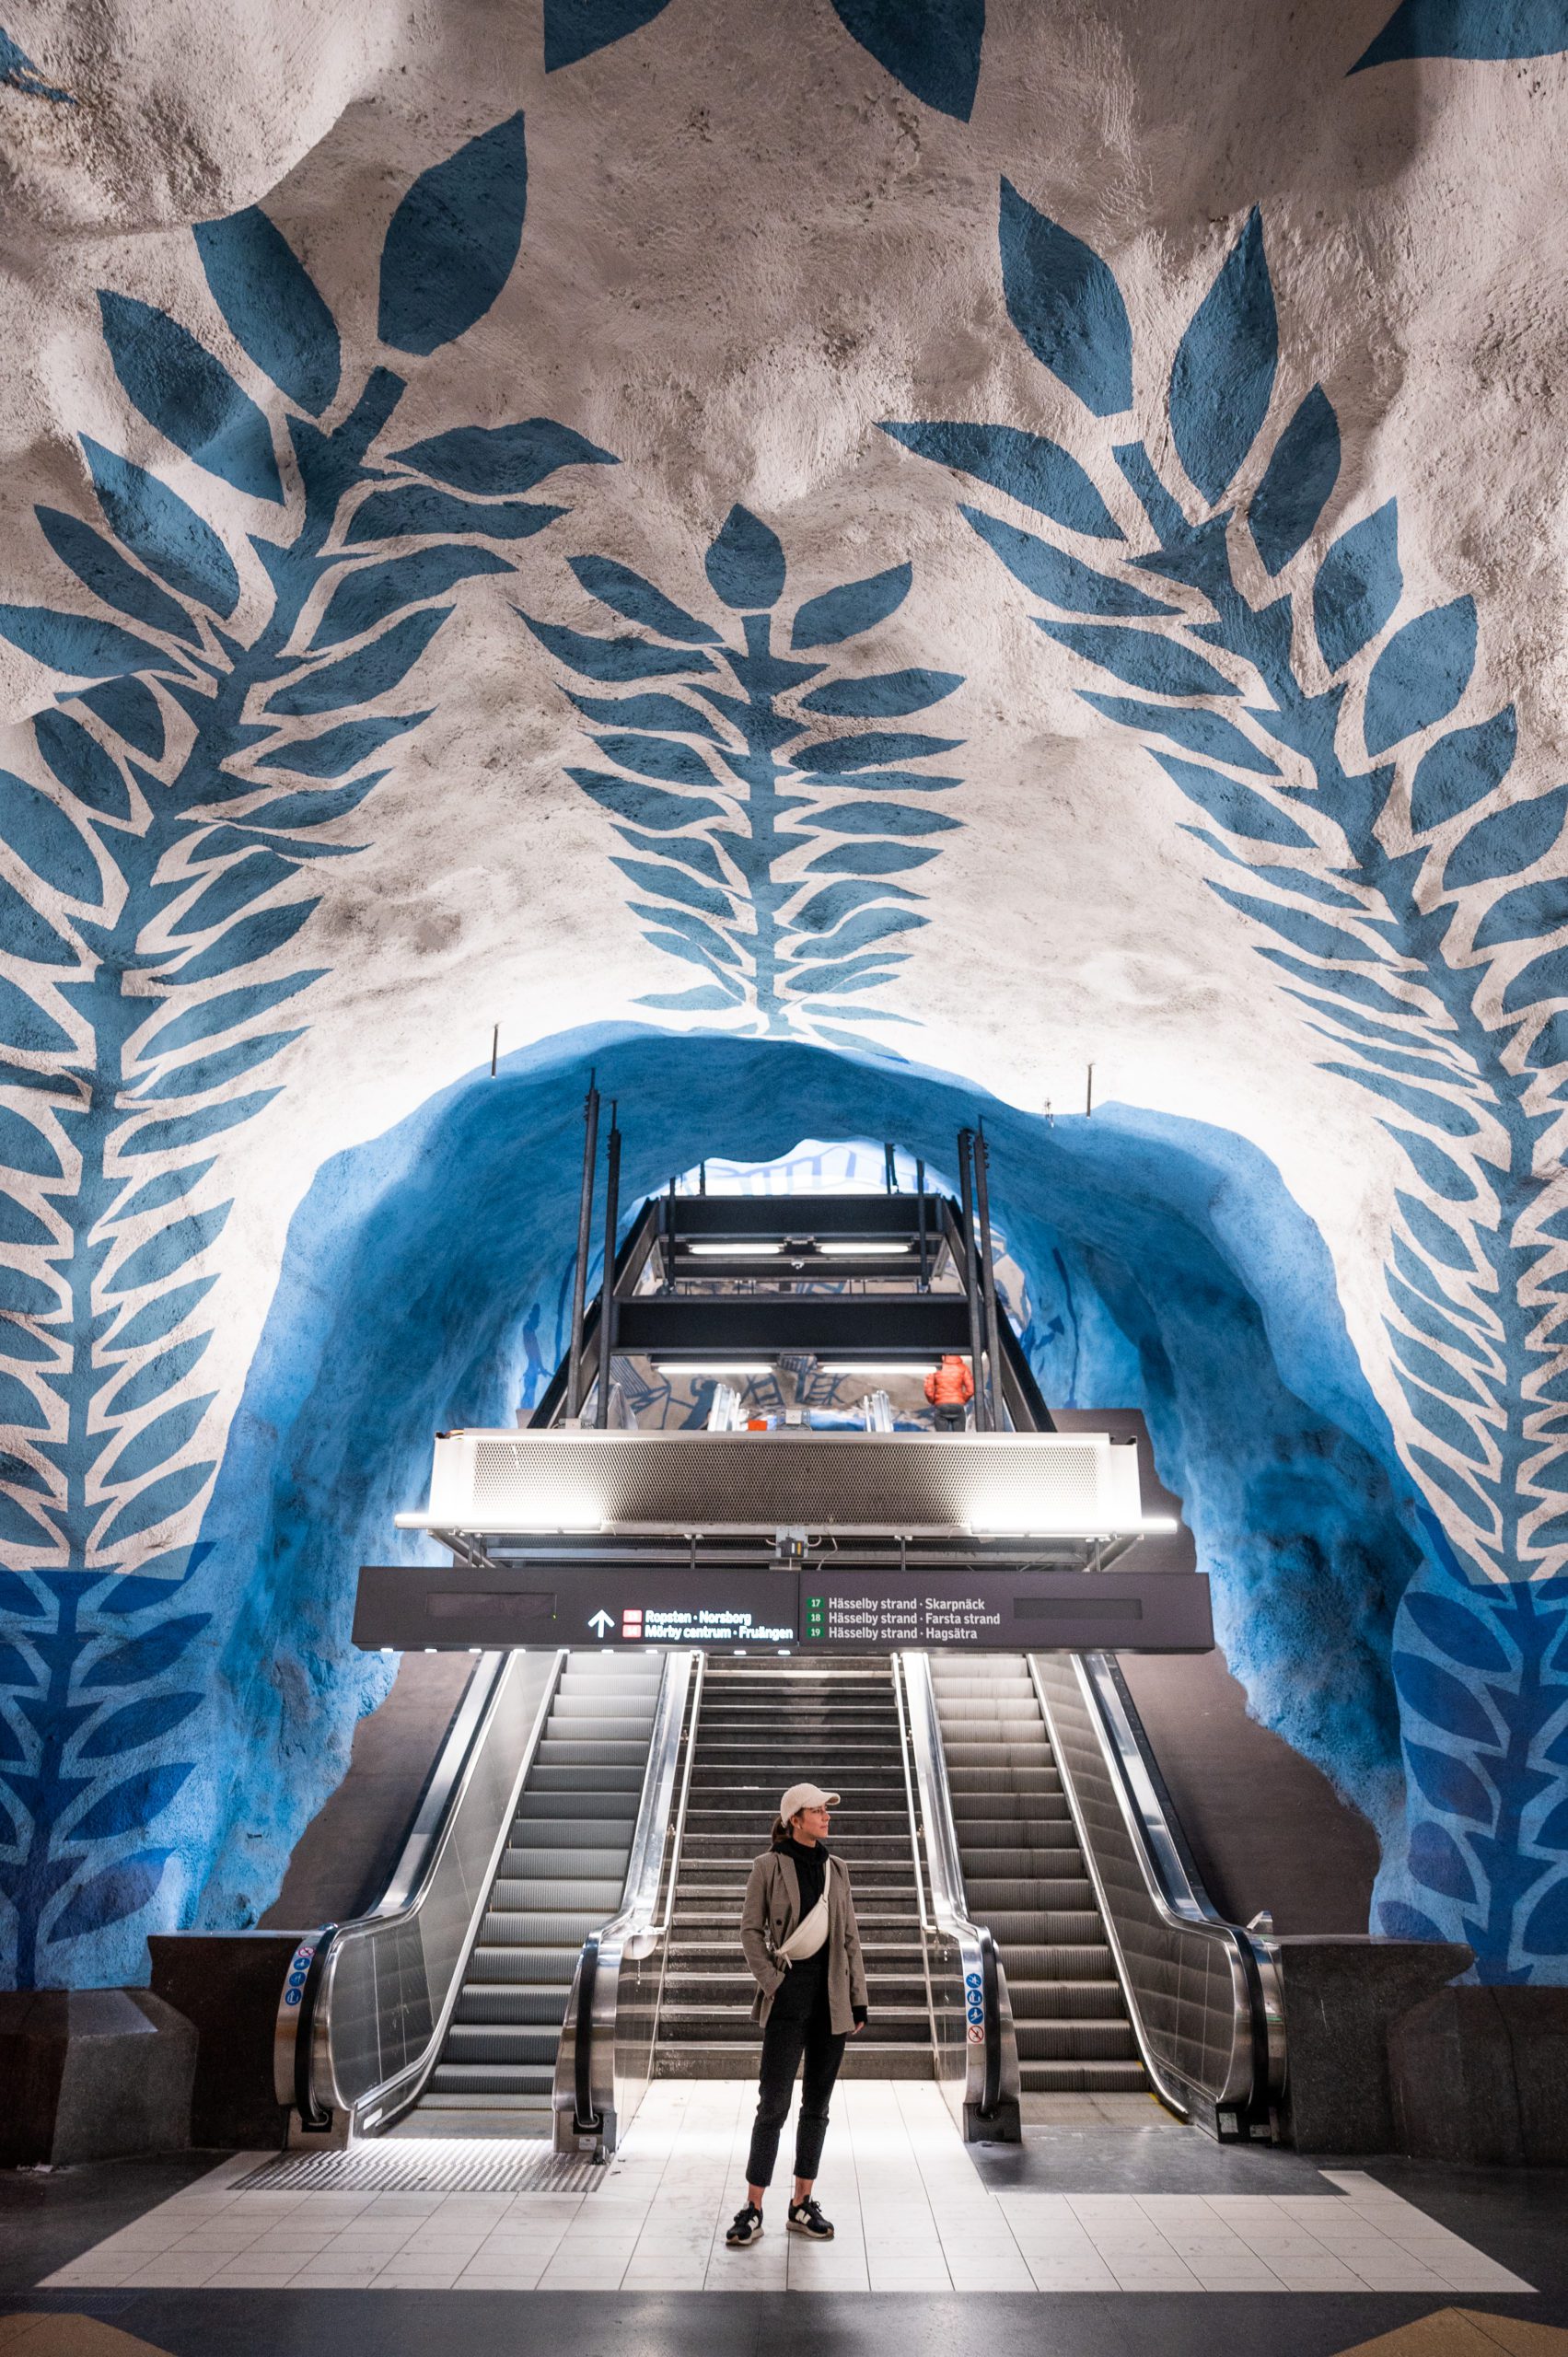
871,1326
835,1216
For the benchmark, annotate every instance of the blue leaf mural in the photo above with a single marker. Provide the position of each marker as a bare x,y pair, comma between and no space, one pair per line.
18,72
576,28
234,750
1066,305
1476,28
1387,954
933,47
720,797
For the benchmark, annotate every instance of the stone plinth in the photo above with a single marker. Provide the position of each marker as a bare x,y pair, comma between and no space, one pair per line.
1341,1996
1480,2077
92,2074
228,1985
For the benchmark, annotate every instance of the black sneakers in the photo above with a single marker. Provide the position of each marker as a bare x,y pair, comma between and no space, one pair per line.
747,2227
805,2218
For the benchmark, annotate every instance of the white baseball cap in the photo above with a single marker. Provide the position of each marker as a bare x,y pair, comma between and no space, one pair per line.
801,1796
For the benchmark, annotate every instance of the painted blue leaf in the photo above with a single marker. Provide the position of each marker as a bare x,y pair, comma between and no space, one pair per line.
131,709
654,757
19,1226
272,306
888,818
76,644
1234,805
1476,28
1358,586
220,1014
1545,977
19,1407
1546,1927
704,998
1552,1832
859,932
167,1250
26,1297
1057,575
644,806
1549,1045
870,859
159,1440
1036,473
692,926
1398,1921
190,397
98,563
745,563
372,670
23,1147
241,882
671,714
609,660
1425,1104
135,1723
19,1528
650,876
1461,769
1439,1863
110,1896
159,1318
80,764
18,1600
200,1074
931,46
1508,840
23,1024
142,1658
157,1375
628,594
1431,1368
492,460
1421,674
132,1804
26,934
336,751
867,973
1301,473
244,943
856,606
1432,1233
414,508
868,750
1223,372
43,838
157,526
1442,1175
693,851
882,695
1066,305
828,907
1448,1784
453,239
1196,730
576,28
169,1186
371,592
1458,1630
1145,659
18,72
191,1129
1438,1697
1525,915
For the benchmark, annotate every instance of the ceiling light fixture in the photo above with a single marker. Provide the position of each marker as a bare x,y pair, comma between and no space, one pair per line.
737,1251
713,1366
864,1251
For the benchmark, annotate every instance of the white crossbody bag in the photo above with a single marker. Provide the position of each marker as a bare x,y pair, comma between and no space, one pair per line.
811,1932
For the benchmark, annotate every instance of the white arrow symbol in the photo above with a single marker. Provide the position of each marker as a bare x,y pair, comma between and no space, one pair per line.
602,1622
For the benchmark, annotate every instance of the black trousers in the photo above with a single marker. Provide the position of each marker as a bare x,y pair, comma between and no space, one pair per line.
949,1417
799,2024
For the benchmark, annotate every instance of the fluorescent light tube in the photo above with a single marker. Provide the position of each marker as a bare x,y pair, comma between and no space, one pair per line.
713,1366
737,1251
866,1251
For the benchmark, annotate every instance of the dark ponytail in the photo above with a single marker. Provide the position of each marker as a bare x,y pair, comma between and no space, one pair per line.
780,1833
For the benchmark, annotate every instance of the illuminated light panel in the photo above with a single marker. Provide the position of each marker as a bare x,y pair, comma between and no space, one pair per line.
866,1251
736,1251
713,1366
876,1366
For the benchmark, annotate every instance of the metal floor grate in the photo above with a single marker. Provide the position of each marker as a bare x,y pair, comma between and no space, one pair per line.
434,2165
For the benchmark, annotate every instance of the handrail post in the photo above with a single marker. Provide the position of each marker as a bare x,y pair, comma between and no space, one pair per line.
580,1272
972,1277
988,1279
607,1295
920,1216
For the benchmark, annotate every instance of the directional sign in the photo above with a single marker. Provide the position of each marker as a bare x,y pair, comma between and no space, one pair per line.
601,1624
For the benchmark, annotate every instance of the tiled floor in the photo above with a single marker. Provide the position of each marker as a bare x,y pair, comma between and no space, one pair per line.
910,2212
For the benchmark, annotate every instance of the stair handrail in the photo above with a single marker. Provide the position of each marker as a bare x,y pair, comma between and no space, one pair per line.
1230,2078
329,2069
990,2082
595,2093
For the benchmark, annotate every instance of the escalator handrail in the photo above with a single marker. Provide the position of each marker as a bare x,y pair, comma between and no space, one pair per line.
659,1927
448,1785
1178,1897
949,1900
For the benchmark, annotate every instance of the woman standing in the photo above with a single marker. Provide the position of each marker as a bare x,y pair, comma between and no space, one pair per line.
802,1943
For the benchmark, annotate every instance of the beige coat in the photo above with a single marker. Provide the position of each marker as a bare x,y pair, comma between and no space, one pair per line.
770,1914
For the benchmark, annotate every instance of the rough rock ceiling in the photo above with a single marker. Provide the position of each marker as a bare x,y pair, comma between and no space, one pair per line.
1025,536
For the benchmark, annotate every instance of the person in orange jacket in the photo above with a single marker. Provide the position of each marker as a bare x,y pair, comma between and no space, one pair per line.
950,1388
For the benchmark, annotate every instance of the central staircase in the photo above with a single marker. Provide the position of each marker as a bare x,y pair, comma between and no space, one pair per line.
765,1726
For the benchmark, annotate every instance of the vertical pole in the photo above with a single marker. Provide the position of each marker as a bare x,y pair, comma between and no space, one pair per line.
971,1278
889,1170
580,1274
920,1213
701,1178
607,1295
669,1237
988,1279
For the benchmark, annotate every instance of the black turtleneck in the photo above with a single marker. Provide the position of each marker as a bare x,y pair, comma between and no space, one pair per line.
810,1868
